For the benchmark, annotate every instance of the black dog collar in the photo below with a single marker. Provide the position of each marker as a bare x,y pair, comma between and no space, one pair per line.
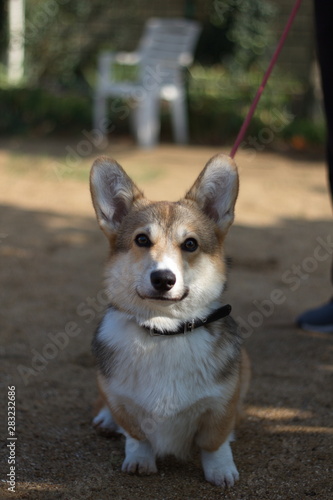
189,326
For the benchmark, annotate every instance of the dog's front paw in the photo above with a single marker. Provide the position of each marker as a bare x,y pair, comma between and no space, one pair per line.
139,457
219,467
104,423
223,477
142,465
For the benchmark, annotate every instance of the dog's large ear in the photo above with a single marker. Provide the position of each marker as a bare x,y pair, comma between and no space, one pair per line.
216,190
113,193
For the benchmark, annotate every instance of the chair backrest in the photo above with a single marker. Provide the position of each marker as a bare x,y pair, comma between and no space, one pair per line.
167,46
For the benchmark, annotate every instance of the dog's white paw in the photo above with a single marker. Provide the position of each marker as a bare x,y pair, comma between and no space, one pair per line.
142,465
104,421
223,477
139,457
219,467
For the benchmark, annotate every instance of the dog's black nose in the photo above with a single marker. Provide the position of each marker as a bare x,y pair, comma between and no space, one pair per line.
162,280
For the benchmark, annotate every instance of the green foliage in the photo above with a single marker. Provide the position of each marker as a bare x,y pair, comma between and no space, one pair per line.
218,102
239,32
311,132
37,111
63,37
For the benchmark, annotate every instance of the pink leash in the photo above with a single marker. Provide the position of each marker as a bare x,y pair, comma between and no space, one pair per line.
266,76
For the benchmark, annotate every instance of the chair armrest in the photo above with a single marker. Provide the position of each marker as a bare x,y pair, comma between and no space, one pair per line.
127,58
107,59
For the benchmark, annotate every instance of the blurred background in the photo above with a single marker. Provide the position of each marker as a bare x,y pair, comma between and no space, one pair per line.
48,65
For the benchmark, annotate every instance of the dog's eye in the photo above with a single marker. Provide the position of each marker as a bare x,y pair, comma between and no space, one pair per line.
190,245
142,241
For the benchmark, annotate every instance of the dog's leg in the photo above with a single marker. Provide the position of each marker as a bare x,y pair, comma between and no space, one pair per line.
139,457
219,466
213,439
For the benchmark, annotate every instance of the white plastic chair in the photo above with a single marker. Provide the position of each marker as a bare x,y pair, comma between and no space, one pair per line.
165,49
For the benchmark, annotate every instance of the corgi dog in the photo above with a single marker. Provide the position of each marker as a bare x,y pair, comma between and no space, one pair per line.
171,369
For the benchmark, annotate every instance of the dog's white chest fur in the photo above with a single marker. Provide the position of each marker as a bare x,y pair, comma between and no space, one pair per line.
163,375
166,383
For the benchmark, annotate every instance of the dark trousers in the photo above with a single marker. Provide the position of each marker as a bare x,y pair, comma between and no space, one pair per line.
324,35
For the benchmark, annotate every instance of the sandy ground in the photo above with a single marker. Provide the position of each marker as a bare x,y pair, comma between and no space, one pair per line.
52,255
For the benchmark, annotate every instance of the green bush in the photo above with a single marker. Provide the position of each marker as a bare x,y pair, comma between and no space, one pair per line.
38,111
218,103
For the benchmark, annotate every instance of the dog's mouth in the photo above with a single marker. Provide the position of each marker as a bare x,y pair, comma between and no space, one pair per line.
163,298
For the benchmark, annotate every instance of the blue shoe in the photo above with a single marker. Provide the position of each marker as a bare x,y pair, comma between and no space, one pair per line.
317,320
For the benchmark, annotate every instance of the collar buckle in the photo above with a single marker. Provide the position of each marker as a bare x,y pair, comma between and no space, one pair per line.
189,327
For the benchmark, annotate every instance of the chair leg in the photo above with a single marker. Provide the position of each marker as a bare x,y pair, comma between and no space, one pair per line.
100,114
147,121
179,120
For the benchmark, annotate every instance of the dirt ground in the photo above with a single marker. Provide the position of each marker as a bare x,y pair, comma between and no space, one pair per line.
52,255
